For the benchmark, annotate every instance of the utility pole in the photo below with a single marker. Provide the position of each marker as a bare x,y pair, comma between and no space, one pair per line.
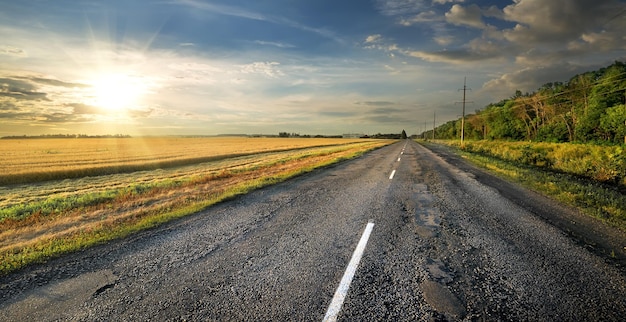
434,118
463,114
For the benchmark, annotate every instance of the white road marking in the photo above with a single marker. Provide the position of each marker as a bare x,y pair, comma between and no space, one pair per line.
392,174
398,159
344,285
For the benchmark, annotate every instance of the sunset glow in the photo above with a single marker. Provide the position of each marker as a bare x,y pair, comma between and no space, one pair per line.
116,92
194,67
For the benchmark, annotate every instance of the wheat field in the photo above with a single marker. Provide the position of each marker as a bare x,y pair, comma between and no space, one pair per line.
80,192
33,160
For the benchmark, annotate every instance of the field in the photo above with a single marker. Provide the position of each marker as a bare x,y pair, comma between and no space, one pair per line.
589,177
60,195
34,160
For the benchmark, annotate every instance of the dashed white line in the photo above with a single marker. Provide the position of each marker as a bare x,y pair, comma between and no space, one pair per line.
399,159
344,285
392,174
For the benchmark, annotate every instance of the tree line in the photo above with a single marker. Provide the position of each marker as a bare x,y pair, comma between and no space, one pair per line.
589,108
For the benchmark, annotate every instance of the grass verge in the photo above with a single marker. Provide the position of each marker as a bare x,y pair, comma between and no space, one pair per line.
600,200
35,238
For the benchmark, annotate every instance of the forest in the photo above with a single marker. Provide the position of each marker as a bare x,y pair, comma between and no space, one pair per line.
589,108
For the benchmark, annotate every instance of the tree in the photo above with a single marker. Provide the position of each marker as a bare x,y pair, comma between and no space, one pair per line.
613,123
608,92
403,135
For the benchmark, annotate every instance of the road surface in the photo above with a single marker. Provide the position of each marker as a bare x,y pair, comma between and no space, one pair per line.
446,242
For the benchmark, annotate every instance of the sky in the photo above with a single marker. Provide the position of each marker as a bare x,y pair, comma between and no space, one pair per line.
200,67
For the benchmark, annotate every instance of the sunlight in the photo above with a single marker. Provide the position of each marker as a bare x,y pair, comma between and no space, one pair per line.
116,92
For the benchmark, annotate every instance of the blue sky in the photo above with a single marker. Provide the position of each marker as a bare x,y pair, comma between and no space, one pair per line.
170,67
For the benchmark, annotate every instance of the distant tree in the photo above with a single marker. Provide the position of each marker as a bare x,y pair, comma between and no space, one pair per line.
403,135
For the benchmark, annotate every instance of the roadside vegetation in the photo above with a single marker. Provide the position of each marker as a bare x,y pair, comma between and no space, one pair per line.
589,177
44,218
566,139
589,108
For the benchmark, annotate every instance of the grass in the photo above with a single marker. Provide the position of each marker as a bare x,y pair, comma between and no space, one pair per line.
596,196
598,163
44,220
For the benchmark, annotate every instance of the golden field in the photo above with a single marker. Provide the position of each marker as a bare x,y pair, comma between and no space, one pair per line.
130,184
33,160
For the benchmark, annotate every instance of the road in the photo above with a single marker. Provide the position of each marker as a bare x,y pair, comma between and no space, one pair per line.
447,242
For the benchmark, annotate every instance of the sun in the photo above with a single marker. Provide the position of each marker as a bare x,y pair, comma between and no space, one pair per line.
116,92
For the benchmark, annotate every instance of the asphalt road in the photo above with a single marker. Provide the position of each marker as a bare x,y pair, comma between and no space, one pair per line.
448,242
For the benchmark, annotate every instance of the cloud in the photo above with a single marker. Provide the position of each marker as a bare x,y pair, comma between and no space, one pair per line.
472,53
20,90
371,39
80,108
444,40
247,14
272,43
377,42
558,21
530,78
388,119
400,7
265,68
465,16
387,110
12,51
53,82
425,16
447,1
223,10
7,106
16,115
375,103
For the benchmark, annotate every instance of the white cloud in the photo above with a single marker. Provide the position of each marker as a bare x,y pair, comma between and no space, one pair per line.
458,56
444,40
426,16
371,39
268,69
465,16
